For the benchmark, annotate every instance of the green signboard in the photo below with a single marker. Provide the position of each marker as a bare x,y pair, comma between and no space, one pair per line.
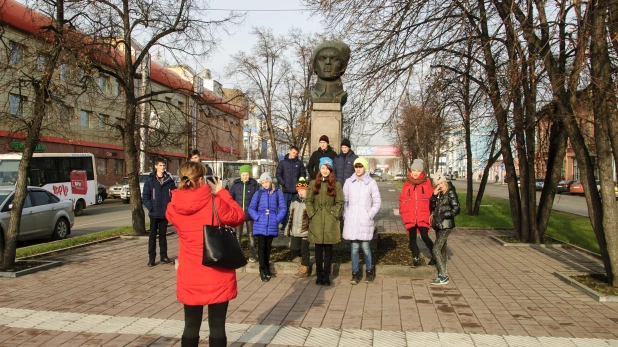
19,146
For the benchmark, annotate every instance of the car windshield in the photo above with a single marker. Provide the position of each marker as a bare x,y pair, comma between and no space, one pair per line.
4,194
123,181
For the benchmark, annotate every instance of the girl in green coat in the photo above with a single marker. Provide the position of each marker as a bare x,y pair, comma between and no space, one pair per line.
324,205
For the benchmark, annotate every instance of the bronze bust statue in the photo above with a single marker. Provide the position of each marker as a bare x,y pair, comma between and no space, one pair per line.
330,60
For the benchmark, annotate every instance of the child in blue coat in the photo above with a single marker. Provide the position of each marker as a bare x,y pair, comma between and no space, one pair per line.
267,209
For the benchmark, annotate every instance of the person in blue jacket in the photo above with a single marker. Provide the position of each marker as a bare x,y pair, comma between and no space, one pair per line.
267,209
155,196
242,191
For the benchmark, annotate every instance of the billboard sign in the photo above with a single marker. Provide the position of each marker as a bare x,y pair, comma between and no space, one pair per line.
384,151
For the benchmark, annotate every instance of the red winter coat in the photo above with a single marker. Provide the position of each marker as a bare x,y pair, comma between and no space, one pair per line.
414,203
189,211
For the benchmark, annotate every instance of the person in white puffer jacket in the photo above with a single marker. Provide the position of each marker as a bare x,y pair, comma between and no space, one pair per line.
362,203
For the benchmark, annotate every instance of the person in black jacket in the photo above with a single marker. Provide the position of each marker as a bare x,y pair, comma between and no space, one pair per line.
289,170
155,196
242,191
344,162
325,150
444,206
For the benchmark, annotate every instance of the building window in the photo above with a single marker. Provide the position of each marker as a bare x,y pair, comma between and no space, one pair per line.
40,63
118,167
103,121
103,84
16,104
178,166
16,52
63,72
101,166
181,106
117,90
66,113
84,119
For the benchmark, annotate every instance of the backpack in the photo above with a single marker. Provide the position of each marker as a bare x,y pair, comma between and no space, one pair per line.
257,206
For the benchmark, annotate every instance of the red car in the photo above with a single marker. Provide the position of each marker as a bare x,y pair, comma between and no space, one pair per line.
576,188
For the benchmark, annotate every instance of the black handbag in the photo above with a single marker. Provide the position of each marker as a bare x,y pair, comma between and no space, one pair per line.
221,248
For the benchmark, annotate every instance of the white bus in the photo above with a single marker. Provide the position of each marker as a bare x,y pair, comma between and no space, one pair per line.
71,176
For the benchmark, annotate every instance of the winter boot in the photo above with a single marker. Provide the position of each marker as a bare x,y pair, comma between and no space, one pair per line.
319,278
217,342
303,271
326,279
263,276
190,341
271,271
416,262
356,277
370,276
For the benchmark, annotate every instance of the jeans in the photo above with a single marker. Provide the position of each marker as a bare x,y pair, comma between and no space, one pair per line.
439,250
299,247
265,245
424,235
323,258
157,225
249,233
289,197
366,254
216,323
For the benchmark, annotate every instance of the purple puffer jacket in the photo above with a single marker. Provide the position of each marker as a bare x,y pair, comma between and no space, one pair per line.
362,203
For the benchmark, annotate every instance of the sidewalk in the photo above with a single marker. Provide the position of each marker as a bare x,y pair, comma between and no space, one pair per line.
105,295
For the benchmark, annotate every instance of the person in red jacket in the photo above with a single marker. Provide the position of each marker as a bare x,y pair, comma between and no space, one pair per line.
198,285
414,208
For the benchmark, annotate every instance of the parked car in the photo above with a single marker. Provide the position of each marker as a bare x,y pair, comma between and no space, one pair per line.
577,188
125,193
44,214
115,190
564,186
376,177
102,194
539,183
399,177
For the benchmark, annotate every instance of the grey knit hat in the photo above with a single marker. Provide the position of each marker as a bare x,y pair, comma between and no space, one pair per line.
441,179
265,177
417,164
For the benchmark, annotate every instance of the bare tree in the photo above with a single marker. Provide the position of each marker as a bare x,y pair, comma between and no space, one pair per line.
263,71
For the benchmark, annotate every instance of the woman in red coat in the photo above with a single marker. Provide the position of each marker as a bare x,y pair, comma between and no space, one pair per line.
198,285
414,208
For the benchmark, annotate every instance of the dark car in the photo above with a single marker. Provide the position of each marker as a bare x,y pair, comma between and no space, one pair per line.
102,194
539,183
564,186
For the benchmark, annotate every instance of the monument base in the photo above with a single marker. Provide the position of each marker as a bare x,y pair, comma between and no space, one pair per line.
326,119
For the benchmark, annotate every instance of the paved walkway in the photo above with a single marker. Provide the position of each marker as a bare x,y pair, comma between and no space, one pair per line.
104,295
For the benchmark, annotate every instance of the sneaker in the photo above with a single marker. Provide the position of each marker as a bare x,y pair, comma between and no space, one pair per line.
440,280
370,276
263,276
432,262
252,260
303,272
151,263
416,262
355,277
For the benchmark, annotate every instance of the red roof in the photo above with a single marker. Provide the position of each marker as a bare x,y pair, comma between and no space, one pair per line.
30,22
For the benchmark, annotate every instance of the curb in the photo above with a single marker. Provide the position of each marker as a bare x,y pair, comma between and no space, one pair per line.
142,237
49,264
566,277
583,250
530,245
338,269
59,250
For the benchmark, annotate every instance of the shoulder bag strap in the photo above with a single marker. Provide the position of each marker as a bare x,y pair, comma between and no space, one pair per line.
215,214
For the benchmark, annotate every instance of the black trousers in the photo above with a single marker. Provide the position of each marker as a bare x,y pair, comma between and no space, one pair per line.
323,258
299,247
265,245
424,235
216,323
157,225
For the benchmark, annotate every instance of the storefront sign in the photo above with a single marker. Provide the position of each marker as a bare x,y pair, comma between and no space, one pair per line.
20,146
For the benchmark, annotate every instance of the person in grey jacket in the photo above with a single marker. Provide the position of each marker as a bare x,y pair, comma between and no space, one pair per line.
298,229
444,206
344,162
362,203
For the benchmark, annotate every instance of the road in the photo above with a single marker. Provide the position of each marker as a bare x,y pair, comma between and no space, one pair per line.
574,204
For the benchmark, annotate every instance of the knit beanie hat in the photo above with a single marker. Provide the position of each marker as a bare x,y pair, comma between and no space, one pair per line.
346,142
326,160
265,177
244,168
324,138
417,164
441,179
302,184
362,161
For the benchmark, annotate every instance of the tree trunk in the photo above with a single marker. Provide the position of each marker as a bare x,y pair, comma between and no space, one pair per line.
603,89
131,144
490,162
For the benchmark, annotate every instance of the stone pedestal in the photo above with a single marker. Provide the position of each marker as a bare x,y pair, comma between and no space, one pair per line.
326,119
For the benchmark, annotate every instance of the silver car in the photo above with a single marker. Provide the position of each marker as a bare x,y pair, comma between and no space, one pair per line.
44,214
114,191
